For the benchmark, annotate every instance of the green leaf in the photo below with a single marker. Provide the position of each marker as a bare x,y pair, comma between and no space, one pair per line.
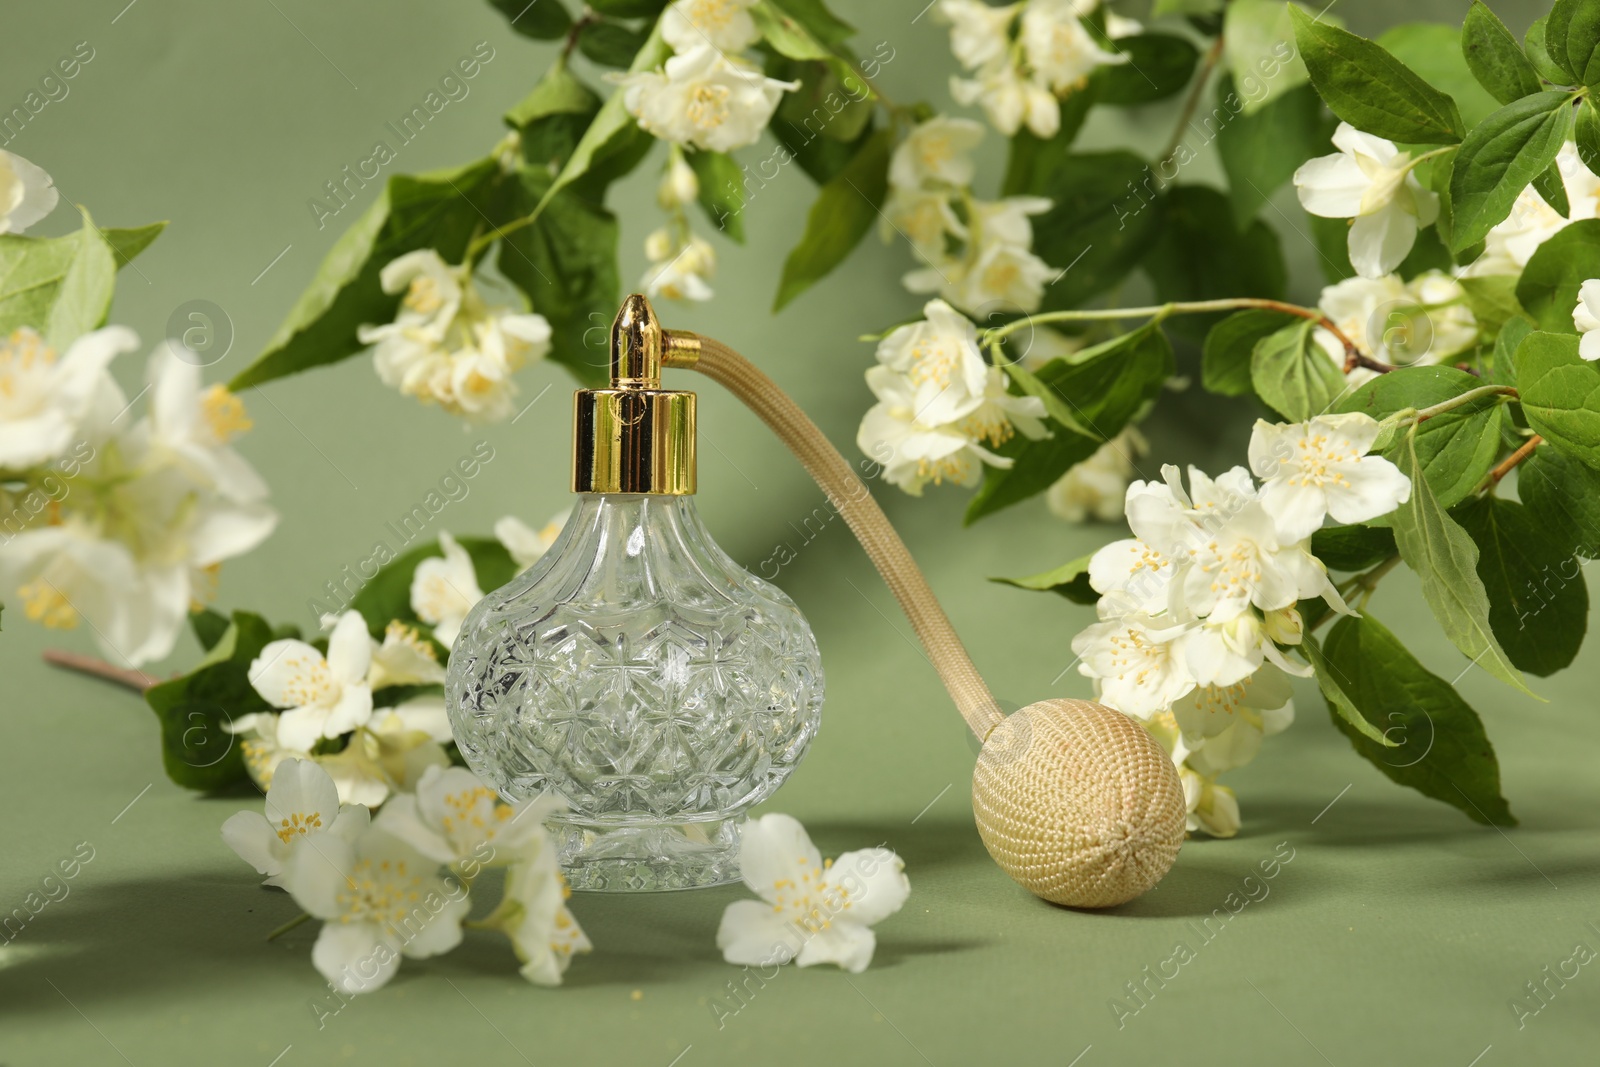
1186,7
1104,387
610,44
1099,227
1433,51
387,596
1552,189
553,117
208,627
1573,31
1070,580
566,264
812,120
1586,134
1055,406
1258,45
1159,65
1563,496
1225,358
1538,604
1494,56
786,34
438,210
845,209
1293,374
1446,561
543,20
1200,255
1372,90
613,134
196,709
821,23
128,243
1332,681
1561,395
1261,150
1500,158
1442,750
1492,299
59,286
1555,272
1541,58
721,191
1352,548
1503,360
628,9
1454,449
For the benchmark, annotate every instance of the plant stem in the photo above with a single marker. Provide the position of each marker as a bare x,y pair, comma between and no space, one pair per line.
1202,78
290,925
138,681
1465,398
1506,465
1190,307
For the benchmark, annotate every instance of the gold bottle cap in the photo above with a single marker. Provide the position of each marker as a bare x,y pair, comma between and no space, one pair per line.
634,437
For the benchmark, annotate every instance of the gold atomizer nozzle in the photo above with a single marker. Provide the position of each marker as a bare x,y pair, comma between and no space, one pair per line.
634,437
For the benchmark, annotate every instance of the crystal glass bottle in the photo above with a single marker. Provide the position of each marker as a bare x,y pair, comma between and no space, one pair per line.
636,670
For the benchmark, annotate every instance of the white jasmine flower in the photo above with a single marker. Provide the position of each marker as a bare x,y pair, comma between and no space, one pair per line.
1059,48
1245,564
1421,322
1178,522
392,752
447,345
444,588
998,269
404,658
379,899
705,99
724,25
1263,699
26,194
1371,181
924,218
527,545
1010,100
455,819
1135,662
1532,222
44,401
301,803
263,755
941,348
979,33
1095,488
1586,320
327,696
1319,468
810,912
936,152
534,915
679,270
1211,807
915,452
1131,578
1238,742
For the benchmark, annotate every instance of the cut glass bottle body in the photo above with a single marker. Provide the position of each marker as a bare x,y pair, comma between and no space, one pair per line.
644,676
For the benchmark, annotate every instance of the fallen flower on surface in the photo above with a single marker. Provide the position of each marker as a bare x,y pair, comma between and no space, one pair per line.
810,911
302,803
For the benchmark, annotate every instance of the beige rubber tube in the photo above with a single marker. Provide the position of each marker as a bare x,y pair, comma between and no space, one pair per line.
1075,801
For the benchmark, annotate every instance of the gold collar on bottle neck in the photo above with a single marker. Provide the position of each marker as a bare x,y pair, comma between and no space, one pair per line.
635,437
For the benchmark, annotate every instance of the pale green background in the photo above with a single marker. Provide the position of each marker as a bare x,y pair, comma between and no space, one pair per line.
1398,933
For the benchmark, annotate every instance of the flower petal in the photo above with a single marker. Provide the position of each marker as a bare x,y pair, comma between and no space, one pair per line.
349,648
1379,241
846,944
250,835
753,934
284,672
355,957
776,849
870,883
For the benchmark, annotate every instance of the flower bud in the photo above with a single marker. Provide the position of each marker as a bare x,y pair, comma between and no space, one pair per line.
1284,626
660,245
679,186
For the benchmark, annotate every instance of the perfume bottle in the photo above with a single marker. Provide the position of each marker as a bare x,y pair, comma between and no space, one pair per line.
636,670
